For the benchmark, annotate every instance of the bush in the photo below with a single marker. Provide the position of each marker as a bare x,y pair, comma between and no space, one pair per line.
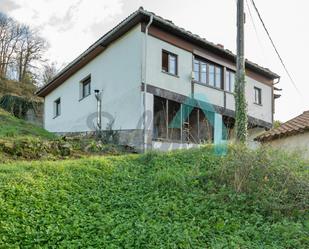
19,106
276,180
35,148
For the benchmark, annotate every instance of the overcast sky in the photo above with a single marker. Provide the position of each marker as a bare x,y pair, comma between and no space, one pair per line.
71,26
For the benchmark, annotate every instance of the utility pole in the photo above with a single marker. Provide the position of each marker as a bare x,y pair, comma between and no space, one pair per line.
240,98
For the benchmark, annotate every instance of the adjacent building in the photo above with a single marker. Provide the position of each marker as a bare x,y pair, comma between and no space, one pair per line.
292,135
161,87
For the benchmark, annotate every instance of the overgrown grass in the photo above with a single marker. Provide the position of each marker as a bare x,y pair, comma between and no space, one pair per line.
185,199
11,127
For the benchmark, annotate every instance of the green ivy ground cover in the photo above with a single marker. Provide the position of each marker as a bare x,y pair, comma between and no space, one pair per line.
174,200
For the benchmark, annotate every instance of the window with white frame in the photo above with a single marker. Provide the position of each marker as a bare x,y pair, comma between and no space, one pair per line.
229,81
257,95
207,73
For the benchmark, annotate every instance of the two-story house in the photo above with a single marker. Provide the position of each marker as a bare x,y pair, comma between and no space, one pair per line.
160,85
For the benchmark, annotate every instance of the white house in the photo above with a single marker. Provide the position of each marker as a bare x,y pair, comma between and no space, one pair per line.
160,84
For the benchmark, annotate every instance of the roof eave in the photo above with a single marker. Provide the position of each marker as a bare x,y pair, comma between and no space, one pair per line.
103,42
142,16
209,45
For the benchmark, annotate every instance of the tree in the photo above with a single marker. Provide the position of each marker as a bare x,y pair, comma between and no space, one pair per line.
49,72
10,35
21,49
29,50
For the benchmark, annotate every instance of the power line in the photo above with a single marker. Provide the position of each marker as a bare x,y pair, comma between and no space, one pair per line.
256,31
274,46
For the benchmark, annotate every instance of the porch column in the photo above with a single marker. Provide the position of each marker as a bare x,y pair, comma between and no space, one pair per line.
149,119
218,126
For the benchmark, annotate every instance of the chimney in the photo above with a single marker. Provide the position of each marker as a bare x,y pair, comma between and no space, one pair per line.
220,45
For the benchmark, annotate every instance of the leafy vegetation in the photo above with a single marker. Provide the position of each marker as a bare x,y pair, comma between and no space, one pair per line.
277,123
18,89
185,199
18,98
241,109
19,106
11,127
22,140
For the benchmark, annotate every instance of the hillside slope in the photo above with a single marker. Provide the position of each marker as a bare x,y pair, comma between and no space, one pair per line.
177,200
11,127
18,88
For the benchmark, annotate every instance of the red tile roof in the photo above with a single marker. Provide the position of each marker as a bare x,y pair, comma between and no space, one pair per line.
142,15
297,125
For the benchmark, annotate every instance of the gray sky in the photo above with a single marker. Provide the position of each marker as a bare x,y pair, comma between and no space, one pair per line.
71,26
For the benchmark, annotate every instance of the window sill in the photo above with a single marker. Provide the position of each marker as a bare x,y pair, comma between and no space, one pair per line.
56,116
203,84
257,104
84,97
175,75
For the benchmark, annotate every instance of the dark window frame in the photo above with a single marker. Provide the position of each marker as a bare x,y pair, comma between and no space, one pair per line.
57,107
208,64
190,129
257,95
228,83
165,67
84,82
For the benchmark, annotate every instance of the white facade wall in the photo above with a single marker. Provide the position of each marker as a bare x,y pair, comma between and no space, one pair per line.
299,143
264,111
116,71
181,84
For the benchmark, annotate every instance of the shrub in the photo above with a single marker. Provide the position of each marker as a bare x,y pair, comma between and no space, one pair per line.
19,106
277,180
35,148
109,136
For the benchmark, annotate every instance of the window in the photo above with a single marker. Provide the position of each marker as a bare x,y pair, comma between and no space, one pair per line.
196,69
57,108
200,71
169,63
211,75
218,77
174,121
207,73
257,95
203,73
160,120
229,81
85,88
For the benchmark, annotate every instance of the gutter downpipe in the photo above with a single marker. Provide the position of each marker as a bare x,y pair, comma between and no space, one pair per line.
273,101
98,96
145,82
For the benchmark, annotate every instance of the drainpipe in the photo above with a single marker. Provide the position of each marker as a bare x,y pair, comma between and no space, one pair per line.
145,82
98,96
273,100
278,80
